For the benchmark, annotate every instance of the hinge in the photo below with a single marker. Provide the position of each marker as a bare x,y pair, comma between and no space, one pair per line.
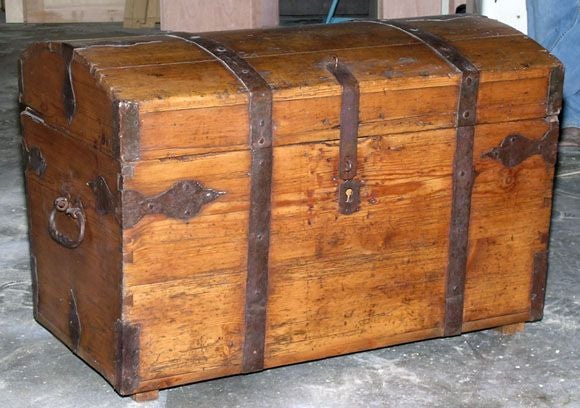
33,159
515,148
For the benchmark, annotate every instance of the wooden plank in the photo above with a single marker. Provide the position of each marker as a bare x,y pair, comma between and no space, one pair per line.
14,11
153,13
141,13
339,283
199,131
147,244
453,4
146,396
200,16
175,343
135,13
84,273
300,195
42,91
294,76
409,8
79,11
509,223
511,329
387,105
266,13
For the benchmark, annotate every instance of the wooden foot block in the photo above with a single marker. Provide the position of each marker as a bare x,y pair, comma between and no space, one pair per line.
146,396
510,329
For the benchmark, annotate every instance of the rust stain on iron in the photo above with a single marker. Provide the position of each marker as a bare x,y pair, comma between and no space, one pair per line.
463,171
260,143
127,143
34,159
127,357
74,322
516,148
555,91
538,294
463,179
183,201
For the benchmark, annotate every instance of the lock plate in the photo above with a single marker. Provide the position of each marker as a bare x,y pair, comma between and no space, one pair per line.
349,196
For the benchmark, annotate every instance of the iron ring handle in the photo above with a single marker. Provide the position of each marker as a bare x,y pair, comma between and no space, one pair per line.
62,204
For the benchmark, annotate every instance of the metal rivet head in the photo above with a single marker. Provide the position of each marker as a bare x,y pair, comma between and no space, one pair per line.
348,165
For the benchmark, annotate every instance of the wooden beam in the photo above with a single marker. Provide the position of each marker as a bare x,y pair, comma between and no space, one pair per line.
409,8
14,11
60,11
202,15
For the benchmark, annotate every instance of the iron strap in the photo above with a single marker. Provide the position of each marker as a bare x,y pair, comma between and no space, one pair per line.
463,171
349,118
349,188
260,115
539,275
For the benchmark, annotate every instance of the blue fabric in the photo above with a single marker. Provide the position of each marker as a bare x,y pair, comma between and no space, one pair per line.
556,25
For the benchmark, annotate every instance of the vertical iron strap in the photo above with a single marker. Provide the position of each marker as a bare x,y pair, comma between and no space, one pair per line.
348,189
539,275
463,171
349,118
260,112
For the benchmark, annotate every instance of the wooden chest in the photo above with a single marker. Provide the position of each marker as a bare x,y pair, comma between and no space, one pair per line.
202,206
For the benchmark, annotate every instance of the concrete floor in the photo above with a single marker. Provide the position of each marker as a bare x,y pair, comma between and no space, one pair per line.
537,368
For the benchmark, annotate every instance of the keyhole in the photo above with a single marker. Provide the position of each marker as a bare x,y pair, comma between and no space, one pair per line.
348,193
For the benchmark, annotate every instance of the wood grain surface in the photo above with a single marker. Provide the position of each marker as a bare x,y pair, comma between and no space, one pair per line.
91,273
337,283
199,15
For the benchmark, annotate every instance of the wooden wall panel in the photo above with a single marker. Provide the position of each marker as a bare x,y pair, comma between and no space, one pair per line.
408,8
185,280
14,11
341,283
510,216
73,11
200,15
81,276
